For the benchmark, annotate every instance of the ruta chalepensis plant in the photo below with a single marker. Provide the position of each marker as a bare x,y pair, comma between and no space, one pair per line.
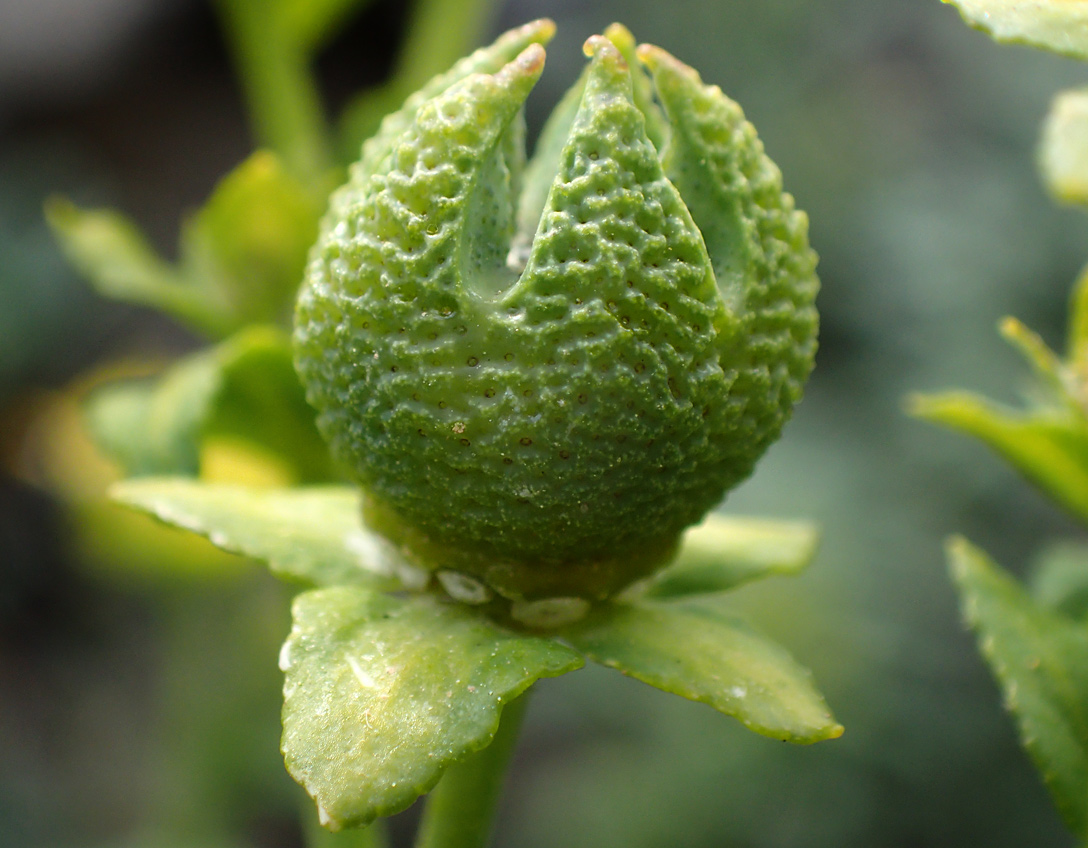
1036,641
541,375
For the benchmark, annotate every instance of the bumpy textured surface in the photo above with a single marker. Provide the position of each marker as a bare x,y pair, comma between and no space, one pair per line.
553,429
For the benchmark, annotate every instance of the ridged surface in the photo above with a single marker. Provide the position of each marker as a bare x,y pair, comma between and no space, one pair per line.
553,432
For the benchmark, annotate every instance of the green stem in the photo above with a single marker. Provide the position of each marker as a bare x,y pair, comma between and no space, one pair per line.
461,809
371,836
284,103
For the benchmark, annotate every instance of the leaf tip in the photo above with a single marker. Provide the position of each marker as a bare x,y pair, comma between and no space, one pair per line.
59,210
834,731
920,405
960,554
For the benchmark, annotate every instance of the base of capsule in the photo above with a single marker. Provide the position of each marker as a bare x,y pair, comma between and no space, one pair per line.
538,595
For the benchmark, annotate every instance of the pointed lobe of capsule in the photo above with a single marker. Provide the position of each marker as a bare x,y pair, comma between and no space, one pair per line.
757,242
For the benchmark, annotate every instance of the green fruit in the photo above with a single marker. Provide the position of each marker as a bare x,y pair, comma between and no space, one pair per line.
541,375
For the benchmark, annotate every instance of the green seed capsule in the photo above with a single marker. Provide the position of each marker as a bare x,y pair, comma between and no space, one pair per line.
542,374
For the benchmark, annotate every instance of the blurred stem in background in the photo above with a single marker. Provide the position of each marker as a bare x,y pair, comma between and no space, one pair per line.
271,47
274,49
460,811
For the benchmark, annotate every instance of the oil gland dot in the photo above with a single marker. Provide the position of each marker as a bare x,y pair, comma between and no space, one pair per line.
473,362
526,441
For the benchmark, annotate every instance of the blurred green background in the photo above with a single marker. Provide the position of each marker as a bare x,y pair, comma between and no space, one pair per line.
139,700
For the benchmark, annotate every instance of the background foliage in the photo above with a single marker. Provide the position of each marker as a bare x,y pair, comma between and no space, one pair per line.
139,699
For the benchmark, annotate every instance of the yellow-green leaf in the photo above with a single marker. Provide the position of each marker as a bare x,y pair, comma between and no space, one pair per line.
249,241
243,392
241,255
108,249
1048,446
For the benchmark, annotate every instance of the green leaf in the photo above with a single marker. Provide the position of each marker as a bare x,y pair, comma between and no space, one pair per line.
382,694
154,427
251,238
110,251
1060,26
260,400
1059,579
1040,659
242,254
724,552
244,391
313,535
1048,446
698,651
1063,152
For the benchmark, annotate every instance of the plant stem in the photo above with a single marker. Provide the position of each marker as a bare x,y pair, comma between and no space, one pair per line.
461,809
280,89
372,836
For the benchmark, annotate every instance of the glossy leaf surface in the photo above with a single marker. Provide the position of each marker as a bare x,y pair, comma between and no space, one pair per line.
1040,659
699,651
382,694
1060,26
725,552
312,535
